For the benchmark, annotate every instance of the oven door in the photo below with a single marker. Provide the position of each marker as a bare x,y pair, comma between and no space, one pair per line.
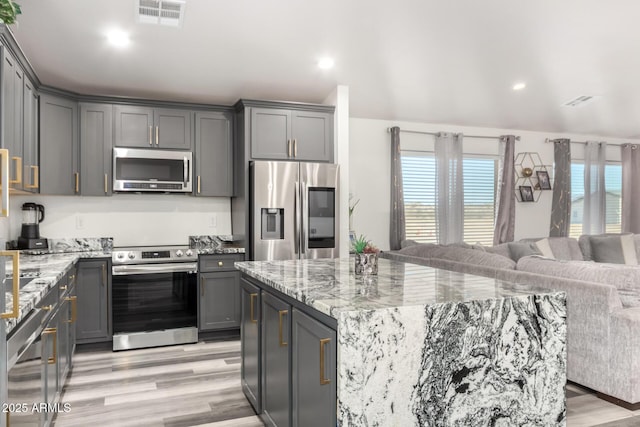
154,304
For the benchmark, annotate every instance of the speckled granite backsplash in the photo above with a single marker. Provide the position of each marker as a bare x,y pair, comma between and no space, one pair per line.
78,244
215,245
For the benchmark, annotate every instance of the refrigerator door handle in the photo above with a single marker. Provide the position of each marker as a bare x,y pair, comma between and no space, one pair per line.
303,217
296,215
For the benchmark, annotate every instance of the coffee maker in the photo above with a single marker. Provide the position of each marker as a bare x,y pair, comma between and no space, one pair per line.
32,216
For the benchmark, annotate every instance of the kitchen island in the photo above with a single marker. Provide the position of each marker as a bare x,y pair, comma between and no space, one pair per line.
413,346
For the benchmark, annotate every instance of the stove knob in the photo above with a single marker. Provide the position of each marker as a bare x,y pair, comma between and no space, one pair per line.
132,255
178,253
120,256
189,252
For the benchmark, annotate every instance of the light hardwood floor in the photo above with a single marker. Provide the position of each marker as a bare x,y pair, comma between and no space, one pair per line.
199,385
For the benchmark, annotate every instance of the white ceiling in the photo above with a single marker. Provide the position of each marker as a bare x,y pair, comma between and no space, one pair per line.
433,61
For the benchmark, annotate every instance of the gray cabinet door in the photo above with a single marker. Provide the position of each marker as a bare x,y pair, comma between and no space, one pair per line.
271,134
93,293
31,164
219,306
312,135
314,389
276,361
62,337
172,129
59,171
12,81
133,126
96,145
214,155
250,343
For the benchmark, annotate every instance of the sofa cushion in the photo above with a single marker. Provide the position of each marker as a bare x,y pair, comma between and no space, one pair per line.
501,249
626,279
566,248
545,248
616,249
519,249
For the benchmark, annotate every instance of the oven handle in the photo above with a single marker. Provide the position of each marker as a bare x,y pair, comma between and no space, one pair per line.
124,270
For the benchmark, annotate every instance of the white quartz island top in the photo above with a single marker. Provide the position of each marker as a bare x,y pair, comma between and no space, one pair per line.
419,346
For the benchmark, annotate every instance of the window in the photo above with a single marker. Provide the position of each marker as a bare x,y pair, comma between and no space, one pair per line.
419,183
613,198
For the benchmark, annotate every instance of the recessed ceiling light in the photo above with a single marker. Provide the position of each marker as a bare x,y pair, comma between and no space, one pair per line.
326,63
519,86
118,38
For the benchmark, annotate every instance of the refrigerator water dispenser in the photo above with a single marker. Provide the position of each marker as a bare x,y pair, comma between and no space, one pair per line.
272,224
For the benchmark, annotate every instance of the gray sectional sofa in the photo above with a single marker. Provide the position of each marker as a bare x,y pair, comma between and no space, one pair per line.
603,300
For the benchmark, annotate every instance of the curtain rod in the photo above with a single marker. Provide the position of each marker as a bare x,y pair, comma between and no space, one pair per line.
585,142
438,133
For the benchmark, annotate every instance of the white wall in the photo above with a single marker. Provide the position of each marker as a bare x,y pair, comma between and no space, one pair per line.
370,167
131,219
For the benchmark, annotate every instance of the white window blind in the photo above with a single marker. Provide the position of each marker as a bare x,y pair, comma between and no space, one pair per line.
419,184
613,198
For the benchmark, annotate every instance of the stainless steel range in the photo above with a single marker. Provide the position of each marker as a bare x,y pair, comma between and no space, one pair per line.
154,296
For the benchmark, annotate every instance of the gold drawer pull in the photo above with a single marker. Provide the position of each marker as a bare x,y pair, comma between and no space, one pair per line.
15,309
63,288
198,184
77,178
106,185
47,307
18,179
251,303
323,343
220,264
281,314
74,308
52,331
36,178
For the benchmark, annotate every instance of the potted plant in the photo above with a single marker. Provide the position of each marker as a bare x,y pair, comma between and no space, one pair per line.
8,11
366,257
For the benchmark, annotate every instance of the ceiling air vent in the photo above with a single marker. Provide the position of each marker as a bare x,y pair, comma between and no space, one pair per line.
161,12
581,100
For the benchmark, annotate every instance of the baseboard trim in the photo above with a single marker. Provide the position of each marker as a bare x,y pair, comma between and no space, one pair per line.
619,402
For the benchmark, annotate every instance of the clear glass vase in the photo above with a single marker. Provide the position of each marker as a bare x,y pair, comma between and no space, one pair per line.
366,264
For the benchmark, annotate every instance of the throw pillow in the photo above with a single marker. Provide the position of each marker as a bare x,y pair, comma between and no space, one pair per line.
545,248
615,249
518,250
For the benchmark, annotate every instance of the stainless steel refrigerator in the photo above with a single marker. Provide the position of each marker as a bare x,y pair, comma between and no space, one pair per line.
294,210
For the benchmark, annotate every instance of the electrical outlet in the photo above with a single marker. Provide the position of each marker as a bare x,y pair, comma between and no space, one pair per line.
79,222
213,221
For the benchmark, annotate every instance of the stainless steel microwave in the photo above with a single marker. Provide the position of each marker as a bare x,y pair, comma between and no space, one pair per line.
151,169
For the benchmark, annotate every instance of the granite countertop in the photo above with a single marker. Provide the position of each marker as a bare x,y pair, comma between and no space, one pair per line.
47,269
331,287
206,245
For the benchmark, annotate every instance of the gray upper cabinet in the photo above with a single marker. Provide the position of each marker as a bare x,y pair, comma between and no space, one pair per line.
146,127
31,166
314,389
96,126
214,155
59,149
281,134
276,361
12,109
93,293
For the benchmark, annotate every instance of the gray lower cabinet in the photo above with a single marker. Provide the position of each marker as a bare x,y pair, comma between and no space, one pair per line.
276,361
96,125
219,300
59,149
214,155
250,331
313,372
281,134
93,290
147,127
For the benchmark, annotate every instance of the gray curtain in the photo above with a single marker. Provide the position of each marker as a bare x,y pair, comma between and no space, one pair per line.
561,202
450,197
593,216
506,199
397,226
630,188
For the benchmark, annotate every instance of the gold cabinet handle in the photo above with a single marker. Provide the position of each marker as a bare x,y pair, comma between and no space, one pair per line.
47,307
104,274
4,180
72,278
281,314
15,309
74,308
323,343
198,184
150,130
77,178
288,147
106,185
18,179
295,147
157,135
220,264
201,285
63,288
52,331
36,177
252,306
